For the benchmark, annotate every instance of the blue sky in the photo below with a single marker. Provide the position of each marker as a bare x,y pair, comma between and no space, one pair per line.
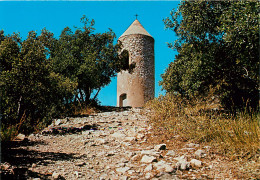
24,16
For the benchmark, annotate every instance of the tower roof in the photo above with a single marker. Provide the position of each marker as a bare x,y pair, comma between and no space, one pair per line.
135,28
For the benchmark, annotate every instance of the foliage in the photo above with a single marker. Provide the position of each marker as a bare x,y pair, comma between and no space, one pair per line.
218,43
30,91
8,133
195,121
85,57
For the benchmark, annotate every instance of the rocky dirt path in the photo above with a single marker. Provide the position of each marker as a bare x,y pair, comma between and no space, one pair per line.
108,145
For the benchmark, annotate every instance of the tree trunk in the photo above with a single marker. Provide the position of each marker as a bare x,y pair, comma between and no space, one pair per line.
87,95
19,106
97,93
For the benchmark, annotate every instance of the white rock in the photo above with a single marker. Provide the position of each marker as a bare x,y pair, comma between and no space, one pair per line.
5,166
129,154
171,153
188,149
122,169
123,178
131,172
150,152
140,136
160,147
200,153
80,164
31,137
148,175
85,132
182,164
57,122
20,137
195,162
191,145
204,175
135,157
118,135
148,159
180,158
148,168
76,173
34,165
131,133
56,175
207,147
130,139
143,141
163,166
126,144
103,177
141,129
168,168
100,141
120,165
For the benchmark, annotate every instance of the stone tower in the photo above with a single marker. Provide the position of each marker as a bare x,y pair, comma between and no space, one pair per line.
136,87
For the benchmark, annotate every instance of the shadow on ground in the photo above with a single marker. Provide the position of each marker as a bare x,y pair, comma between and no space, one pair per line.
113,108
101,109
60,130
20,160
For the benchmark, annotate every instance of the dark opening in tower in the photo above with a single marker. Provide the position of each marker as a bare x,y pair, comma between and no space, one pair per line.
123,100
125,59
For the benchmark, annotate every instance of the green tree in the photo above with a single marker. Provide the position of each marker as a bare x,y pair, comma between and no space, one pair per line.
88,58
218,43
30,92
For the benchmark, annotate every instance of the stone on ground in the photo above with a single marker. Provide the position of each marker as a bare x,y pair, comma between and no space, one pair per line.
148,159
160,147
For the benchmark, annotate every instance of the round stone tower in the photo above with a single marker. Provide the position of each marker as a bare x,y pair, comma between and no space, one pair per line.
135,87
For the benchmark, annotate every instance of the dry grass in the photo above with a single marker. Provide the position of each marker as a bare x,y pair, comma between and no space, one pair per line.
84,111
237,137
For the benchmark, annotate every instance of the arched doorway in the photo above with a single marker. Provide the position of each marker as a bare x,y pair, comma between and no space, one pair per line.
123,100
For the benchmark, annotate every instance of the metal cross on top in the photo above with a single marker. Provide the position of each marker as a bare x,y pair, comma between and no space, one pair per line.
136,16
